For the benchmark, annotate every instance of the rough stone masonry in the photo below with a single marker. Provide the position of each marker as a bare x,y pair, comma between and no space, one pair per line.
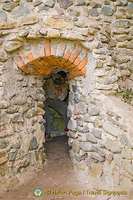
93,41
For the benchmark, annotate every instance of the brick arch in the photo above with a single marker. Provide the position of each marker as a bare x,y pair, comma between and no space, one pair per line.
44,56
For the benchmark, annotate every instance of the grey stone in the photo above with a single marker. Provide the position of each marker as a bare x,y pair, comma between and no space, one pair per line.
107,2
95,156
3,144
98,150
42,127
81,108
12,110
16,146
12,156
33,143
9,6
111,128
12,46
122,3
80,2
65,3
97,133
121,23
19,100
86,147
31,113
43,31
93,12
23,33
84,129
32,158
50,3
72,124
130,8
128,166
130,67
93,111
117,159
20,11
75,147
126,153
18,118
3,119
37,2
90,138
3,56
43,7
113,146
71,134
79,158
124,140
99,64
106,10
3,15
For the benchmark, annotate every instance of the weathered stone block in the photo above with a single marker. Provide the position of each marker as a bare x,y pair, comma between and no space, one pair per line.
40,111
20,11
126,153
93,111
16,146
111,128
130,67
117,159
97,133
79,158
33,143
72,124
75,147
72,134
130,8
3,15
128,166
3,119
31,113
91,139
3,143
98,150
106,10
65,3
121,23
12,155
58,23
18,118
80,2
29,20
50,3
37,2
113,146
93,12
86,147
12,46
9,6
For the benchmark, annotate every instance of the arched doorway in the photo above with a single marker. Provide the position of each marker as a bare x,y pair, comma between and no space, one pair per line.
24,92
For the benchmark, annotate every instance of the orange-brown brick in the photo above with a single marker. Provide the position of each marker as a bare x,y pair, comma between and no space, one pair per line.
47,48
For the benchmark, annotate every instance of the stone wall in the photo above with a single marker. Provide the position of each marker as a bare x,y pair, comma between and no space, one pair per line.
93,40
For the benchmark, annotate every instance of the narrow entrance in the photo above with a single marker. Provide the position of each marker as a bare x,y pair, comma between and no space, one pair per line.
56,88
